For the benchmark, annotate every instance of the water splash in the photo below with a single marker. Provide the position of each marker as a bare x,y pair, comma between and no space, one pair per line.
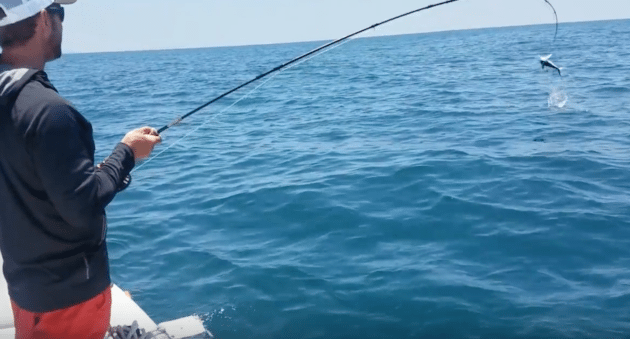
558,98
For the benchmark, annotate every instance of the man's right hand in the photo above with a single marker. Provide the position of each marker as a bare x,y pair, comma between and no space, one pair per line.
142,141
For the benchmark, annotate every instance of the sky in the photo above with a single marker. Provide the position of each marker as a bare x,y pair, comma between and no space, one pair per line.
132,25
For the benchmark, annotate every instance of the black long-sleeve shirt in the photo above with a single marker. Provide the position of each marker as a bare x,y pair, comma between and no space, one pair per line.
52,196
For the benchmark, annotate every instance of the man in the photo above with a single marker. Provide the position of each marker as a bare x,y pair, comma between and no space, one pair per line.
52,196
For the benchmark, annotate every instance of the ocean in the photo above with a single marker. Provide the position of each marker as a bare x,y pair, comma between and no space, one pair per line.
435,185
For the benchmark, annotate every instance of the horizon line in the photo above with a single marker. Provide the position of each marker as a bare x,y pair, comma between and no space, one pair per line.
323,40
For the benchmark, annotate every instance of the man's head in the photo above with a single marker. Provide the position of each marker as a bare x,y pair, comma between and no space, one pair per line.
21,21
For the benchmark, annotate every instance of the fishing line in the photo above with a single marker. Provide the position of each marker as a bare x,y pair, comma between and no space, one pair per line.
556,14
295,64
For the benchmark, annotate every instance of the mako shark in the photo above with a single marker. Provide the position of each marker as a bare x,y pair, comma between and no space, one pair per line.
544,61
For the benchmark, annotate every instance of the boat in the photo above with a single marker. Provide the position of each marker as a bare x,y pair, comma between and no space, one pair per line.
126,315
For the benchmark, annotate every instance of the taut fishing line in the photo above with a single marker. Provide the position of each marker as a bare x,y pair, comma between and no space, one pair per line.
294,62
556,14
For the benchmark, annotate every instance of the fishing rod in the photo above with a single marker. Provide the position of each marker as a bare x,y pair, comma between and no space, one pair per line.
288,63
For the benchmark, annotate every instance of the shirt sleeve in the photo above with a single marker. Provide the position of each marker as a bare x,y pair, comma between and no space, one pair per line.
63,158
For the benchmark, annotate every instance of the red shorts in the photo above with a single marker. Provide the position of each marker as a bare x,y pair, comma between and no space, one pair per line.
89,319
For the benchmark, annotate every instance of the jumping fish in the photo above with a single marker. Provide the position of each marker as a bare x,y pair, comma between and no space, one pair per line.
544,61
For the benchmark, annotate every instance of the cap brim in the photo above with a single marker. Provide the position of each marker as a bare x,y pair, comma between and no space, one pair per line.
16,11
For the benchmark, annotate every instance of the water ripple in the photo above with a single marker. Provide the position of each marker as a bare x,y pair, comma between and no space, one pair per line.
397,187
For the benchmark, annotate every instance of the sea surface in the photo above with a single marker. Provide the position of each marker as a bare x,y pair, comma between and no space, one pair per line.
421,186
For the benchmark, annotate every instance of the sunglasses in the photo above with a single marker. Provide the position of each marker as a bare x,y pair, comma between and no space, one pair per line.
56,9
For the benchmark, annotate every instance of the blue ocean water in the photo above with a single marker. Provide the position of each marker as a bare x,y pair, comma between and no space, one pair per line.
421,186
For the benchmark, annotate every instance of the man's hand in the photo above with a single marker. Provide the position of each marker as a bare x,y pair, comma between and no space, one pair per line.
142,141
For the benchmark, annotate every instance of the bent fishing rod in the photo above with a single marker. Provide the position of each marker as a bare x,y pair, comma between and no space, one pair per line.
306,55
301,57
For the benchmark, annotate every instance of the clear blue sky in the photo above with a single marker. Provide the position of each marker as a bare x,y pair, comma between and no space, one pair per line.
122,25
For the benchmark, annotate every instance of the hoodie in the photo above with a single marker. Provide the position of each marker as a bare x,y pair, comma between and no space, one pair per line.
52,196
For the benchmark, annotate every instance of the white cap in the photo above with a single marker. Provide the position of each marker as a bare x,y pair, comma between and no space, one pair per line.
18,10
